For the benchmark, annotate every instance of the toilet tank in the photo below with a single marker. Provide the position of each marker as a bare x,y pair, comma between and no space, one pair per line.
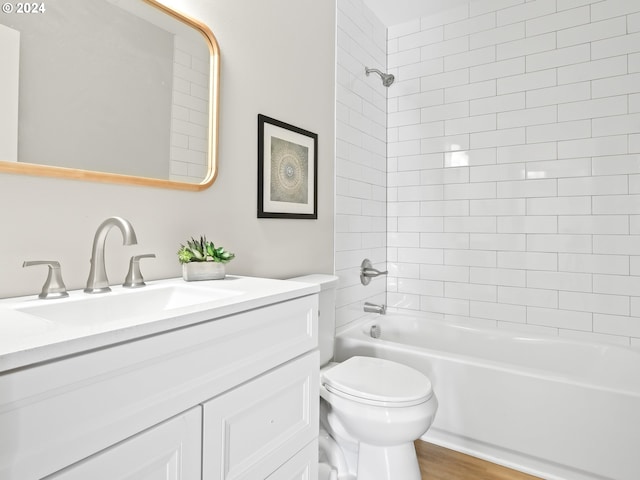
326,312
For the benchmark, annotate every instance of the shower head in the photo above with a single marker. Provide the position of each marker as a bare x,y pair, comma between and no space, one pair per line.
387,78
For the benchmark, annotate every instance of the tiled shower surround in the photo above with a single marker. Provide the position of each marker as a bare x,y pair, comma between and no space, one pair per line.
360,158
513,170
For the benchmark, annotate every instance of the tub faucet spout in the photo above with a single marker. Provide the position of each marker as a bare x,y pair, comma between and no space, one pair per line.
98,281
374,308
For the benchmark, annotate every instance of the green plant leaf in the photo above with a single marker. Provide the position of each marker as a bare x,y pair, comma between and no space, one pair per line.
202,250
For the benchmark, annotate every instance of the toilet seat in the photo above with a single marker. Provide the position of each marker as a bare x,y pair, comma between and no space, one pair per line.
376,381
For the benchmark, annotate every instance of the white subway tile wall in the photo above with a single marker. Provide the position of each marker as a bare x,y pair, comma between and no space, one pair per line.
361,143
514,164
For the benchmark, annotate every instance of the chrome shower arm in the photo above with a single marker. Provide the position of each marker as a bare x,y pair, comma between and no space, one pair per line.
387,78
375,70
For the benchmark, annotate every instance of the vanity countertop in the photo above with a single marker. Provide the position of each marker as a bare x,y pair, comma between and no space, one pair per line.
27,338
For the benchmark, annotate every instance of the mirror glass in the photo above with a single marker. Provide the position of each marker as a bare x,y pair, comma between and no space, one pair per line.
111,90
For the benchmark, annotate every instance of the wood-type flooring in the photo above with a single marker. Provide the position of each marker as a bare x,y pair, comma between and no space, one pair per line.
438,463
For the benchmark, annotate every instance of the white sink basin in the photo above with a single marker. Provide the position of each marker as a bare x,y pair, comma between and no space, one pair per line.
123,304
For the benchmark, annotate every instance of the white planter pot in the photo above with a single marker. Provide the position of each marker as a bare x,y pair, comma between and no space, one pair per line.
202,271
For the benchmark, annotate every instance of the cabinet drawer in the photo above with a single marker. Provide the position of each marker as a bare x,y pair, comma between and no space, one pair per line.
252,430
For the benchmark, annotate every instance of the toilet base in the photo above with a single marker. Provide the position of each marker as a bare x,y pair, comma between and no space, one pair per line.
388,463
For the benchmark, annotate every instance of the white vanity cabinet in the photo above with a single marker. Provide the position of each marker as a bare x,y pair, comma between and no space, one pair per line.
235,397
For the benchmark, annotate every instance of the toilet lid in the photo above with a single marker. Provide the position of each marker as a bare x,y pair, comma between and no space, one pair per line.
378,380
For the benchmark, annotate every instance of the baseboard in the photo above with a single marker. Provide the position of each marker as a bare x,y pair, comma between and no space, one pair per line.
507,458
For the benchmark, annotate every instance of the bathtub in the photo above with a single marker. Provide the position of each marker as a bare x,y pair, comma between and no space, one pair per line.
551,407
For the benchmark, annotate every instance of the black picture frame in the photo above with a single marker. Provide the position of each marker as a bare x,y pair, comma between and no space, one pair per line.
287,170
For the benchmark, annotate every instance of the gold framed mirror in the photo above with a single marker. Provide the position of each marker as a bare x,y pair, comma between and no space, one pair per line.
119,91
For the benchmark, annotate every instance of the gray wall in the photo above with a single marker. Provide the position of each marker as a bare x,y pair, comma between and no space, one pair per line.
263,71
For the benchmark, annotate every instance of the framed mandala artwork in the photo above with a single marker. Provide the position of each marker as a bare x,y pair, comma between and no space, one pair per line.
287,170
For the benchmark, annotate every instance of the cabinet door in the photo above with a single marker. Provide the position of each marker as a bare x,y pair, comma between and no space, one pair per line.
169,451
304,466
250,431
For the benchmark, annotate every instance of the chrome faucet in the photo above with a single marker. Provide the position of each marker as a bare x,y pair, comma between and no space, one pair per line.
375,308
98,281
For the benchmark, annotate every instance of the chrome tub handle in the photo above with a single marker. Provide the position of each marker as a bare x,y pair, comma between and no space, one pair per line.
367,272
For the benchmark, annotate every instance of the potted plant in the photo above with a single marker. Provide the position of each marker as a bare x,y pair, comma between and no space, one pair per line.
202,260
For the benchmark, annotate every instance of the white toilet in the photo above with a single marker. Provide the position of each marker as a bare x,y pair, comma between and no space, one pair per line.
371,409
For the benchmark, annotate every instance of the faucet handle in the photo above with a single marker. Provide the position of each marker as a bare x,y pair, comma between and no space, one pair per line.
367,272
134,276
54,286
